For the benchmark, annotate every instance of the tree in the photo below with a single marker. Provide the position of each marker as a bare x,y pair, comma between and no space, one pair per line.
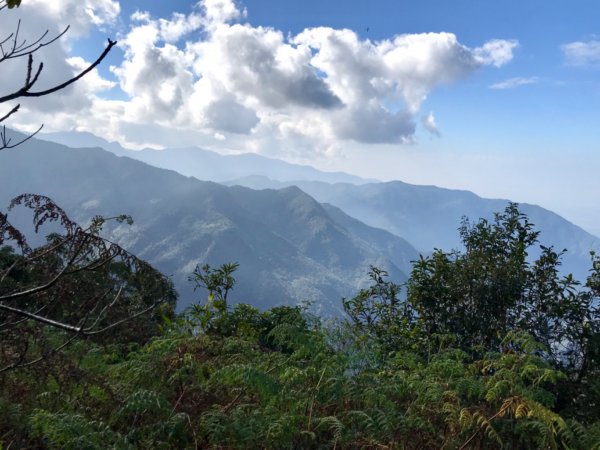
78,283
476,294
379,313
12,3
218,282
491,288
214,315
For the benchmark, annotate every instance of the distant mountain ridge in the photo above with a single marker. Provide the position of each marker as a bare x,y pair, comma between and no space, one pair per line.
205,164
290,247
428,216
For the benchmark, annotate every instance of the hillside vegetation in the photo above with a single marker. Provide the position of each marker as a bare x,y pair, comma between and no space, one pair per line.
480,349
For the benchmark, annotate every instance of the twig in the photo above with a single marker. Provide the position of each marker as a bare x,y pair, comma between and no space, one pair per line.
6,143
312,403
10,113
25,93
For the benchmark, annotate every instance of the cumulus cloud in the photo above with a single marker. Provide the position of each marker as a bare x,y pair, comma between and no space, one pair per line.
258,65
79,14
582,54
221,11
496,52
212,75
515,82
46,20
430,125
228,115
405,68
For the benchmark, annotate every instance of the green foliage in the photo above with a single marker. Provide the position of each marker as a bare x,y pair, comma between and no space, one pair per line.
477,294
218,282
234,377
378,313
73,431
491,288
216,391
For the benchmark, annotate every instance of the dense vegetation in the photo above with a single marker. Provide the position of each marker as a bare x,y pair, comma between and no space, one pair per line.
480,350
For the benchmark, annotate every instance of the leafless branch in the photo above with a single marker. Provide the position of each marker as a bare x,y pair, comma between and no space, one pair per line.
40,319
12,47
24,91
10,113
20,49
66,284
89,332
6,143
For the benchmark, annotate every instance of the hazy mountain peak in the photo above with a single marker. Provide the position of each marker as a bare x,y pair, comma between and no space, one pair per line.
205,164
290,248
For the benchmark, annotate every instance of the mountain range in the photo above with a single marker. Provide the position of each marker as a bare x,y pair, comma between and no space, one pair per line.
290,247
299,234
205,164
426,216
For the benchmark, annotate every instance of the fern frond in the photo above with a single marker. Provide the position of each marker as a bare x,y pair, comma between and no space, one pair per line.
333,424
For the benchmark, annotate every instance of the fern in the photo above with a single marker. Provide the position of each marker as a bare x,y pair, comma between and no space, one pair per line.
73,431
332,424
143,402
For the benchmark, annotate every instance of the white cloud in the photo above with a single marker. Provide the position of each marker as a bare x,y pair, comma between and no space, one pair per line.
46,20
156,77
582,54
258,66
178,26
430,125
140,16
496,52
221,11
404,68
81,15
224,82
515,82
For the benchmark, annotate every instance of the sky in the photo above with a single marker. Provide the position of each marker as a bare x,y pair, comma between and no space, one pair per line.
500,98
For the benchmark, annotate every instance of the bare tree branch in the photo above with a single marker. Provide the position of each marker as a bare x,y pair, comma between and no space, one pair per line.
24,91
41,319
6,143
18,50
12,47
79,282
10,113
126,319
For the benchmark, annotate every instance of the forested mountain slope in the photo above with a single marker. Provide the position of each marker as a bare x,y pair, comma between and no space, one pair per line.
290,247
428,216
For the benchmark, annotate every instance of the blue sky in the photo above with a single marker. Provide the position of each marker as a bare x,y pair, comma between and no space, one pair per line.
504,98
